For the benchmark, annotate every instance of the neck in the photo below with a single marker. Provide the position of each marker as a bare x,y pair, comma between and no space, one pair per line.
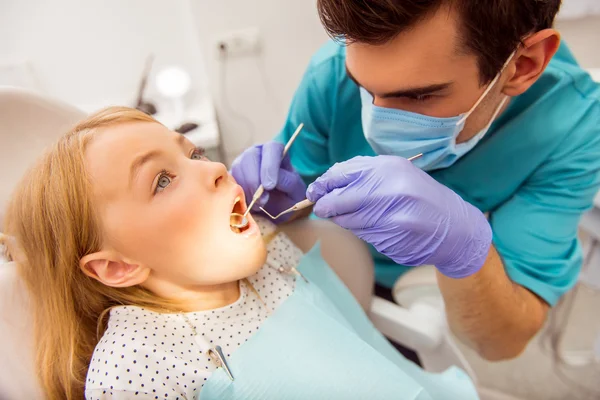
202,298
481,120
209,298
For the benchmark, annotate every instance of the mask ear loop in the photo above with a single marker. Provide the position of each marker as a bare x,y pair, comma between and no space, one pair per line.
488,89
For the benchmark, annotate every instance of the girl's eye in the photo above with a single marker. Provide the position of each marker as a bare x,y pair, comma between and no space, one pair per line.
198,154
163,181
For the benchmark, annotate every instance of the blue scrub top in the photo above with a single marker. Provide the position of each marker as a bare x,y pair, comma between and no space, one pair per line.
536,171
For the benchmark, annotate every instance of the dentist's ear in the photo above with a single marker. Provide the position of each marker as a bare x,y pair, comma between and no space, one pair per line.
531,60
112,270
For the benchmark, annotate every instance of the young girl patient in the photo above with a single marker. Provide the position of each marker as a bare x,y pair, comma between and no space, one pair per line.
141,289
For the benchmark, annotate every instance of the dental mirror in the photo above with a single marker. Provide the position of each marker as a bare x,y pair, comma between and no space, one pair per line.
237,222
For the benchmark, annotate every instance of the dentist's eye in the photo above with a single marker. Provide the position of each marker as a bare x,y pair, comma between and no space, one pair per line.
423,97
198,154
164,180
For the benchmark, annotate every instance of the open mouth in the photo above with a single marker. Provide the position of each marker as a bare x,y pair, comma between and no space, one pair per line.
237,222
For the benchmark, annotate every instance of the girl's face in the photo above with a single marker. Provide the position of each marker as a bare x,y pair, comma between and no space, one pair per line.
164,206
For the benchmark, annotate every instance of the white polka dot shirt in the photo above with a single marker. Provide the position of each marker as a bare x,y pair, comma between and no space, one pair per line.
150,355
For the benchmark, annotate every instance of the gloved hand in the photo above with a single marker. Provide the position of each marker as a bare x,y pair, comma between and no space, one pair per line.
404,213
262,164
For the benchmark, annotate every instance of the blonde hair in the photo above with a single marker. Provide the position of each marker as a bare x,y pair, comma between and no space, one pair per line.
52,224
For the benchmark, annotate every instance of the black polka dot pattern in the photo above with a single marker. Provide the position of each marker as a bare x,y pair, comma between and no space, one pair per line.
156,356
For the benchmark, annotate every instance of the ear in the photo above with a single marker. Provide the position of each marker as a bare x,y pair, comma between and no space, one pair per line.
112,270
531,60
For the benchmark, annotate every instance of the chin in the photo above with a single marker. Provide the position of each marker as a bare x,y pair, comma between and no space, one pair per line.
254,261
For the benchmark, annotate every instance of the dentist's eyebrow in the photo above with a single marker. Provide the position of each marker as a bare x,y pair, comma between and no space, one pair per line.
410,92
418,91
139,161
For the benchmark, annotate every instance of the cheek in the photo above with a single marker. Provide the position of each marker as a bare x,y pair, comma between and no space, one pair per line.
161,230
182,218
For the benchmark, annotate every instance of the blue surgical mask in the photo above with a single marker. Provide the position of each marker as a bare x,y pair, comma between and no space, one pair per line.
405,134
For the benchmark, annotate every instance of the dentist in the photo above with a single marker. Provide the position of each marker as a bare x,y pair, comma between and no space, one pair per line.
508,125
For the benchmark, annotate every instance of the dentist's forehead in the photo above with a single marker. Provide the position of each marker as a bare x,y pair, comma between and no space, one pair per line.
427,53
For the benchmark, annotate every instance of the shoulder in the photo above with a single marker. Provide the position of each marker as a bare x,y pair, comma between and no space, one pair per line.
571,111
568,99
560,116
327,68
328,56
565,66
143,351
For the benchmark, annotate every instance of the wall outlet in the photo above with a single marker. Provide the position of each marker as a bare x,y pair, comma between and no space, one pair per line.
239,43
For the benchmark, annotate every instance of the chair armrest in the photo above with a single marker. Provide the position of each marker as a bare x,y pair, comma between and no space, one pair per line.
420,328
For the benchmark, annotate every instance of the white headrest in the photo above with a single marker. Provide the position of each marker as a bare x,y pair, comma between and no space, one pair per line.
17,374
28,124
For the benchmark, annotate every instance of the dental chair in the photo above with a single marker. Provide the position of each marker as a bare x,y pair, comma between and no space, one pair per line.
28,124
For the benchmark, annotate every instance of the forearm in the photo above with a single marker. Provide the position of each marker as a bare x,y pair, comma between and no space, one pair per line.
489,312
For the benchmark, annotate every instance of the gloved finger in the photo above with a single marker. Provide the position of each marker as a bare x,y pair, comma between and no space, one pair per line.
270,164
358,225
349,222
245,169
340,201
286,163
291,183
336,177
261,202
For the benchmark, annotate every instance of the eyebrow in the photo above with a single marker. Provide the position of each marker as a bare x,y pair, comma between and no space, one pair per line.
139,161
410,92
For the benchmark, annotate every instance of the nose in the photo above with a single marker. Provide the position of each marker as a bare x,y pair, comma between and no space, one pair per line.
213,174
377,102
221,174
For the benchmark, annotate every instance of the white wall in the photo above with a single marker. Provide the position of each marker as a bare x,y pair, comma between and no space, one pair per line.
583,37
291,32
260,88
93,52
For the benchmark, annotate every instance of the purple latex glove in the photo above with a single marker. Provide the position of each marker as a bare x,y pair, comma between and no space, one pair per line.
262,164
404,213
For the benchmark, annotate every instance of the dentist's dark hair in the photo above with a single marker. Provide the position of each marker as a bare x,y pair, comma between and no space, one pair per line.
491,29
